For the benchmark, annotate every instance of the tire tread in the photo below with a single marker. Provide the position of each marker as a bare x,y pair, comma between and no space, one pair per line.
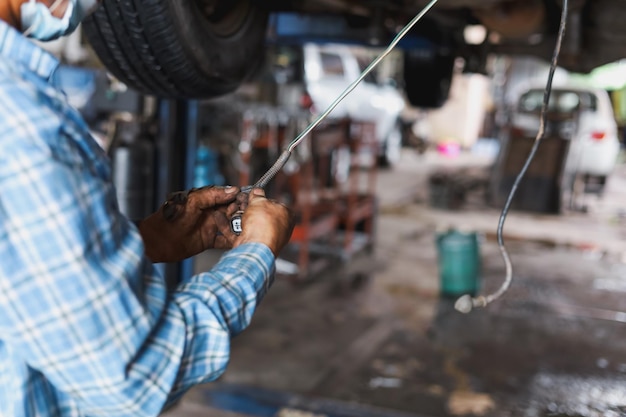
137,41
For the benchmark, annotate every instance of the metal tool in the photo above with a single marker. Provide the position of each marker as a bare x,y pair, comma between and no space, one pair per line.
235,220
286,154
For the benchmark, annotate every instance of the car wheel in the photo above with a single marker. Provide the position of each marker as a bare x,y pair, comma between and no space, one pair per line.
393,148
179,49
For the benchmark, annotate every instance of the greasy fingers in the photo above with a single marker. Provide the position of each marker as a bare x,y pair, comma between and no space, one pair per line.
267,222
242,199
209,197
225,238
230,210
188,225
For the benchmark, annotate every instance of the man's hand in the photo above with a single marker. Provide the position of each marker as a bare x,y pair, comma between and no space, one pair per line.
265,221
199,223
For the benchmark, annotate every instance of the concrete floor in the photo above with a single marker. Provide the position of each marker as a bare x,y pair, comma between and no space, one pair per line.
374,337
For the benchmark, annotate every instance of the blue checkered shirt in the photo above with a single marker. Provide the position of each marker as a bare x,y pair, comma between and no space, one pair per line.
87,327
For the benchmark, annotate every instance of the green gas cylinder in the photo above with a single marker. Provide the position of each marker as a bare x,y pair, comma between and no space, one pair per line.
459,263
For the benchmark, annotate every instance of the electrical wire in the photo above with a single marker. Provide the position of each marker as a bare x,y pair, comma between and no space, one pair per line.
465,303
284,157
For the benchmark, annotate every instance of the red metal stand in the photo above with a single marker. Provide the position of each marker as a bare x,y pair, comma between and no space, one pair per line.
335,215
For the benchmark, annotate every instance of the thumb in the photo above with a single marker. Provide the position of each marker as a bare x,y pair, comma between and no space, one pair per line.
256,194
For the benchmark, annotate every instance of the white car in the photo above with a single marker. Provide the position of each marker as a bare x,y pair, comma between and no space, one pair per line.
591,125
314,75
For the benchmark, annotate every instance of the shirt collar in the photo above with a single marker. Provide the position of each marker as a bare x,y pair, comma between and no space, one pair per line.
16,47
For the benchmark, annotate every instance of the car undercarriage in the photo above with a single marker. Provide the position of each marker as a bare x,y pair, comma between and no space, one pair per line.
596,34
206,48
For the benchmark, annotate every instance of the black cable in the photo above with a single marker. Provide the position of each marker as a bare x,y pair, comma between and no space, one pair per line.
466,302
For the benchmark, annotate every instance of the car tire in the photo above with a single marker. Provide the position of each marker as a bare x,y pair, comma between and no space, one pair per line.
392,149
174,49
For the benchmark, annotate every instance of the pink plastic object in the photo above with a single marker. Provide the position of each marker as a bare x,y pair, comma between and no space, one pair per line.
449,149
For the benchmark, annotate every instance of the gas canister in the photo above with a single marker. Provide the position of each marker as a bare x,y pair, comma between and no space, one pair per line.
459,263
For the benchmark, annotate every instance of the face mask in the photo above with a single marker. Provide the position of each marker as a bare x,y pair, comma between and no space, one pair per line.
39,23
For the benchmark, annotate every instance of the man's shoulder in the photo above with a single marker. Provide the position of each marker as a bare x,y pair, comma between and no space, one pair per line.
18,94
27,126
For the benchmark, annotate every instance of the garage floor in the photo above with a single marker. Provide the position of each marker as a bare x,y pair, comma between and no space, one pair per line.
374,338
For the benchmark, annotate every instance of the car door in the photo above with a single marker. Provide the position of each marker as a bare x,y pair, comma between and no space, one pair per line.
597,135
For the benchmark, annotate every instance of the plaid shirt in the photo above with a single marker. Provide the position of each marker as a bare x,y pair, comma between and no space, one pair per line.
86,325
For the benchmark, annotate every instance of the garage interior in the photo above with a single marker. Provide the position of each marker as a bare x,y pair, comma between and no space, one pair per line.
361,318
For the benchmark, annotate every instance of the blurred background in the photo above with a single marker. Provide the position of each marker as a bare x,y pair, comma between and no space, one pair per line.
397,197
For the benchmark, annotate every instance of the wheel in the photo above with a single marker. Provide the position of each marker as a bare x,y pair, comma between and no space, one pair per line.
392,148
179,49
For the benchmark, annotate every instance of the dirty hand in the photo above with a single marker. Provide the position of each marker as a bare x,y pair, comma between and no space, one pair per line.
190,223
265,221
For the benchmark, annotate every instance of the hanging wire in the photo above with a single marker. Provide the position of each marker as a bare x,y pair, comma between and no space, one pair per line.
465,303
284,157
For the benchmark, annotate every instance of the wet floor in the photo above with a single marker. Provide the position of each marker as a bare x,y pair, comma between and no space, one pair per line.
554,346
377,332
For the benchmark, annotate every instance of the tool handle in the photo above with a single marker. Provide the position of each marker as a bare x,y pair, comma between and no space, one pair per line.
236,219
235,223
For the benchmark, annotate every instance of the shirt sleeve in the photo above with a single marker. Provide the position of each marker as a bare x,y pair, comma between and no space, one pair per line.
80,303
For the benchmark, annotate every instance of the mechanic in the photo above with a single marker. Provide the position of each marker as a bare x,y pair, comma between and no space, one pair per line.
87,327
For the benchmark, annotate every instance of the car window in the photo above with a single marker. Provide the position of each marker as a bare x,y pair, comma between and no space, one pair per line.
562,101
566,102
363,64
531,101
332,64
589,101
